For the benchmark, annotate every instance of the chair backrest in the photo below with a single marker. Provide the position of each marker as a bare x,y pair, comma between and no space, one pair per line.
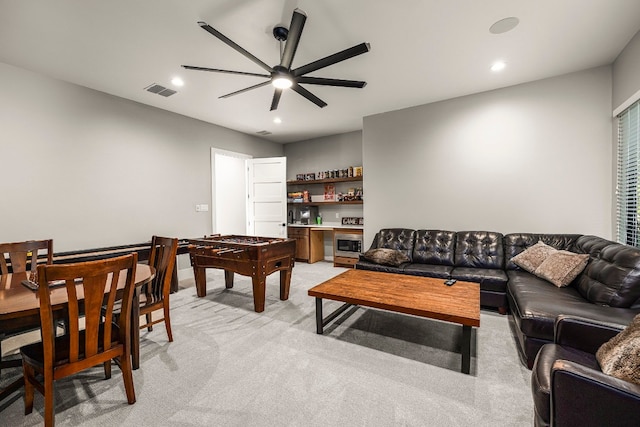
90,286
23,255
163,259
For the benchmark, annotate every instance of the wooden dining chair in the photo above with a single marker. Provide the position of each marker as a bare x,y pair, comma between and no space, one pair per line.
91,288
22,257
155,295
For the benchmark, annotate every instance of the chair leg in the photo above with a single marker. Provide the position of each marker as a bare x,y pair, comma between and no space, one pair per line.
29,374
167,321
48,399
127,376
148,317
107,369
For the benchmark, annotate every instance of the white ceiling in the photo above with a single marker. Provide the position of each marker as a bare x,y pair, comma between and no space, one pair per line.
421,51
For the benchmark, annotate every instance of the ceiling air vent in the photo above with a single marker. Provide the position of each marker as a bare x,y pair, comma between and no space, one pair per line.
160,90
264,132
166,92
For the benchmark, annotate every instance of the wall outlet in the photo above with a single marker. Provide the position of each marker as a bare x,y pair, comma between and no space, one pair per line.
202,208
337,215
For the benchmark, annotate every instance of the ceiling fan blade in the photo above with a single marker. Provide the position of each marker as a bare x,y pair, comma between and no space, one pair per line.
216,70
295,31
332,59
276,99
232,44
246,89
311,97
331,82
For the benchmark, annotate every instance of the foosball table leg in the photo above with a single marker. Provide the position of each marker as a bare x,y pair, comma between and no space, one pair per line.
285,282
200,275
259,290
228,279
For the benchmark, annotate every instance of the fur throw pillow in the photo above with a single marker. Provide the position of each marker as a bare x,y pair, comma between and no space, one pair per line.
386,256
561,267
532,257
620,356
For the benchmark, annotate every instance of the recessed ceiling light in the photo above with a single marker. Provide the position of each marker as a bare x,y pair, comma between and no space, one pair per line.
498,66
177,81
277,120
504,25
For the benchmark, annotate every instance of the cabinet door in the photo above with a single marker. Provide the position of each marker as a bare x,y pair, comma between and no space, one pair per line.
302,242
302,248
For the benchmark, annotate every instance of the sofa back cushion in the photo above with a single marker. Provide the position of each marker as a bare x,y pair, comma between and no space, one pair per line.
479,249
435,247
400,239
516,243
612,276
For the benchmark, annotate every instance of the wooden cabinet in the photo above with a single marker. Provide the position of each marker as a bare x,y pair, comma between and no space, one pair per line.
301,235
309,243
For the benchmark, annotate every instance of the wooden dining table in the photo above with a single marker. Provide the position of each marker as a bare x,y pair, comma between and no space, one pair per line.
20,309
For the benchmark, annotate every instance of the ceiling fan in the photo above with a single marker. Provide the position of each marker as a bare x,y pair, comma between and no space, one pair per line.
281,76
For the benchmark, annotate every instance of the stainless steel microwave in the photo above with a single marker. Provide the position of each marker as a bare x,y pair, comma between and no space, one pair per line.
348,245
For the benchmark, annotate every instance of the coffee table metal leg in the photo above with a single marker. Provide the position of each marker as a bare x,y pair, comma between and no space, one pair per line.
466,349
319,322
322,322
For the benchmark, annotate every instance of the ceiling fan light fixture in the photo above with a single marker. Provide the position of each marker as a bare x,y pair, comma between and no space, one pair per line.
282,82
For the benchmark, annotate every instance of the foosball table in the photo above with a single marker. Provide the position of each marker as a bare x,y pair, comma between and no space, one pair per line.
256,257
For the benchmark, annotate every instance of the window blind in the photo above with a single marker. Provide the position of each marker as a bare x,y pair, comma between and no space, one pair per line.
627,190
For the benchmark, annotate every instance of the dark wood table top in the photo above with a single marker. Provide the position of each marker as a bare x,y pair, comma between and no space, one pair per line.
402,293
16,300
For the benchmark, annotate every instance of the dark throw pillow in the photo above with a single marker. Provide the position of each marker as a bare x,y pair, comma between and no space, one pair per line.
386,256
620,356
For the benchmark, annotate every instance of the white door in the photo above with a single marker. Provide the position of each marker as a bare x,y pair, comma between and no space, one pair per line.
229,189
267,202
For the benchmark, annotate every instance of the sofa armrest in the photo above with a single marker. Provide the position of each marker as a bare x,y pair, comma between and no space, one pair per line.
581,396
582,333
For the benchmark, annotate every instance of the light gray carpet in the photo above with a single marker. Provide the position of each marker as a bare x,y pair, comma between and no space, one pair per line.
230,366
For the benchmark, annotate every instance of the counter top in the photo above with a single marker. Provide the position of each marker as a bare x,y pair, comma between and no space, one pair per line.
327,226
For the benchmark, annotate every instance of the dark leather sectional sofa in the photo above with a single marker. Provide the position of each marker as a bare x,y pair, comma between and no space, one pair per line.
607,290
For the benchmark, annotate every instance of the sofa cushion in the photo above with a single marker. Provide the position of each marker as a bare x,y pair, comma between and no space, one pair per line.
612,277
561,267
400,239
535,303
620,356
531,258
428,270
386,256
480,249
515,243
364,264
434,247
489,279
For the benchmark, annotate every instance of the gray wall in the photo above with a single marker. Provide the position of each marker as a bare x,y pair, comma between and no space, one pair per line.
626,72
535,157
332,152
89,170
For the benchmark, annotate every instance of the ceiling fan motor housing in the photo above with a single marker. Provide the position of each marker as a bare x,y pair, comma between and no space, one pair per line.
280,33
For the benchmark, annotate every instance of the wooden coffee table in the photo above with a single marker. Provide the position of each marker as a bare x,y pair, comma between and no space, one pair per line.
419,296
